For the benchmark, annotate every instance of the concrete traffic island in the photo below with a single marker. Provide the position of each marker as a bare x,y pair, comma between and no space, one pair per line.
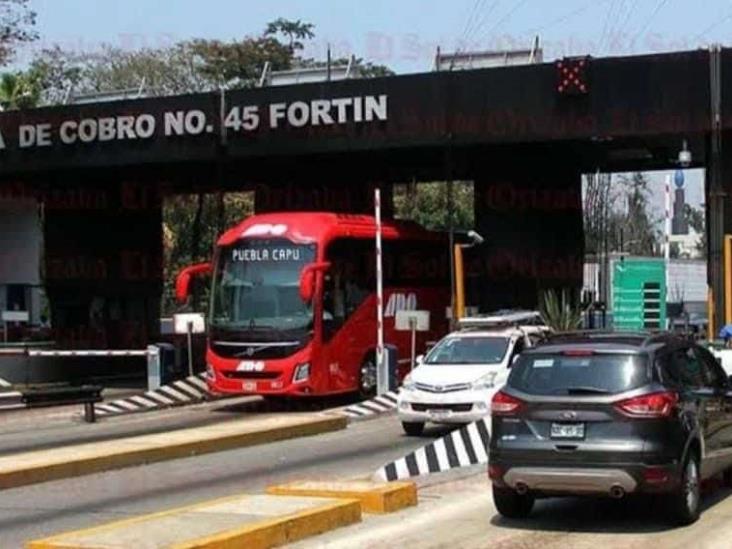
83,459
251,521
375,497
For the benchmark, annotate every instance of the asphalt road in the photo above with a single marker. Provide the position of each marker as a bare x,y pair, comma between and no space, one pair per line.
43,509
37,429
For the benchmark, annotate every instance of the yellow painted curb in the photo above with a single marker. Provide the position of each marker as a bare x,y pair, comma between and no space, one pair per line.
259,535
281,531
375,497
71,461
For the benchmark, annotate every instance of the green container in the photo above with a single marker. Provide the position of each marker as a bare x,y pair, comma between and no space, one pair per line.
639,294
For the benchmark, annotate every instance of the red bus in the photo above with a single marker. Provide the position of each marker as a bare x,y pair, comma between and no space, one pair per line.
293,301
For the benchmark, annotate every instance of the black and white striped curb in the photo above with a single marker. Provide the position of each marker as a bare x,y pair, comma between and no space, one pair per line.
378,405
190,390
10,399
461,448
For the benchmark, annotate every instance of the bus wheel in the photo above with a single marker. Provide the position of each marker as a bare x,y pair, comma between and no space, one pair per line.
367,378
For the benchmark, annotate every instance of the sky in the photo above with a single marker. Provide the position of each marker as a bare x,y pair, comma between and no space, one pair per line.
402,34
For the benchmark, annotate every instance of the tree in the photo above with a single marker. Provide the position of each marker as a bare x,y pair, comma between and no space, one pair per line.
18,91
426,203
640,233
16,27
697,221
294,31
617,216
191,225
189,66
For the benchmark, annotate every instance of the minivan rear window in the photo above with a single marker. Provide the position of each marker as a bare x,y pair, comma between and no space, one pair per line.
563,375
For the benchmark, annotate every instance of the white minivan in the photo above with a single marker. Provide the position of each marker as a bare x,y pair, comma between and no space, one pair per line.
455,381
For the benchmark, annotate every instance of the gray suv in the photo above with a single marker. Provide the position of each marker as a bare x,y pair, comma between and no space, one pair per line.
611,414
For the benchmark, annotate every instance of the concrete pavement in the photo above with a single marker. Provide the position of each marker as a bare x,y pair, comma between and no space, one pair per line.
82,459
39,511
461,513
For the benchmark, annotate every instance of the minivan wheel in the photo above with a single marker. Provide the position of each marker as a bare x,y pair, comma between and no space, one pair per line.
685,501
413,429
512,505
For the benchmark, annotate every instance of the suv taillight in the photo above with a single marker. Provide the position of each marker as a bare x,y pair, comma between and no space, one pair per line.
505,405
655,405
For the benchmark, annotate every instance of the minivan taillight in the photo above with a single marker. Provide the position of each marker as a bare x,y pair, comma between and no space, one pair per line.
655,405
505,405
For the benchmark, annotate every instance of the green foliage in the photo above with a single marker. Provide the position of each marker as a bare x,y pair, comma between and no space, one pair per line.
191,225
196,65
293,31
426,203
697,222
18,91
617,213
560,310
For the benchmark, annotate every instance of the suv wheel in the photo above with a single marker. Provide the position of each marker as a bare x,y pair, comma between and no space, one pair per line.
727,478
685,500
512,505
413,429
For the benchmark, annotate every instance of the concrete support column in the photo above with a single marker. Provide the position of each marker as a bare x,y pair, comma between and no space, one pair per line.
103,263
530,214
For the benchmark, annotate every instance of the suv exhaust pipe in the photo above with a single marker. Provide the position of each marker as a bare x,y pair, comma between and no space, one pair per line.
521,489
617,491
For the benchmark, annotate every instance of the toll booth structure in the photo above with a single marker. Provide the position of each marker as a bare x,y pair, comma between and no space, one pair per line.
523,134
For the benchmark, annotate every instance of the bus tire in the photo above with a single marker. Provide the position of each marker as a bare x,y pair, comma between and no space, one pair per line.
367,377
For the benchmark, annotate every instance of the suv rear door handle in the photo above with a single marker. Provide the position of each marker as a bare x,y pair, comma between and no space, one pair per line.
566,447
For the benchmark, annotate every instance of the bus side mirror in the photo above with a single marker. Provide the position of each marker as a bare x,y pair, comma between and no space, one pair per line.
307,279
183,280
419,359
307,284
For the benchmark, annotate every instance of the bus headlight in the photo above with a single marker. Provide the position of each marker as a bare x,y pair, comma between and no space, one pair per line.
408,384
210,374
302,372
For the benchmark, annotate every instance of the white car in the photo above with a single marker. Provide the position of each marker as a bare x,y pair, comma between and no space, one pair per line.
456,380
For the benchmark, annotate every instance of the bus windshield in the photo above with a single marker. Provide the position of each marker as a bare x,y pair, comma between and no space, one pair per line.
256,286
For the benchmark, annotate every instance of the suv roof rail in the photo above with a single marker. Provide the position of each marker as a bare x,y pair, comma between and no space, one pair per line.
645,337
505,318
600,332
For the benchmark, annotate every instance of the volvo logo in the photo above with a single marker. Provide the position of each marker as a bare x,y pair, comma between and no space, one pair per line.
250,351
569,415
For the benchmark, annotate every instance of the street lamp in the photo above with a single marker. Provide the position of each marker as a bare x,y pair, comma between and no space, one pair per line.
475,239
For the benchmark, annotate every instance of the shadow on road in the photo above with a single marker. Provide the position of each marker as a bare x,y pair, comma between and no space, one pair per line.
603,515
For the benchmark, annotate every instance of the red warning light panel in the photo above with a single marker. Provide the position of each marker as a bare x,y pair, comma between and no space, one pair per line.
572,76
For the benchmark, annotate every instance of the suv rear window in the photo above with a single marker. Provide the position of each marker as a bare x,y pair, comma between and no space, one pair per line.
558,374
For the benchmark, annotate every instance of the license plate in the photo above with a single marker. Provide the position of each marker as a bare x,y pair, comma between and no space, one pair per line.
568,430
250,386
437,414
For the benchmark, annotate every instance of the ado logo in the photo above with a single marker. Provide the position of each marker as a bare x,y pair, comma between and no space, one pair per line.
266,229
400,302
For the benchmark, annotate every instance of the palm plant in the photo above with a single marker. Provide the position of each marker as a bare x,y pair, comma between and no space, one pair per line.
559,310
17,91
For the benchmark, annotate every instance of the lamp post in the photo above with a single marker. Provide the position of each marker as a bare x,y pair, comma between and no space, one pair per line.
459,298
